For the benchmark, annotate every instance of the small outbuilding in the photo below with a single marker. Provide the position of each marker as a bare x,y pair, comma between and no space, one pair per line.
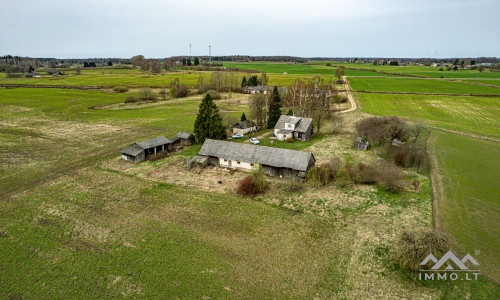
183,138
138,152
54,72
396,143
33,75
359,144
245,127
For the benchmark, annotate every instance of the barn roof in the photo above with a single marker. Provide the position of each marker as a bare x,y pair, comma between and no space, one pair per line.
132,151
244,124
271,156
153,142
301,124
182,135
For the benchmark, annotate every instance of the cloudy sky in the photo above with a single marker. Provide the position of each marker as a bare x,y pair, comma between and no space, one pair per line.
308,28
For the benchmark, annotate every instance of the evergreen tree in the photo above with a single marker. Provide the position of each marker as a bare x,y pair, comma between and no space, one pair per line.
274,111
189,61
253,81
244,82
196,61
208,124
243,117
183,61
290,112
110,63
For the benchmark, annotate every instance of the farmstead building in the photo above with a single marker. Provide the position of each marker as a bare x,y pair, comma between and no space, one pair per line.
138,152
273,161
289,127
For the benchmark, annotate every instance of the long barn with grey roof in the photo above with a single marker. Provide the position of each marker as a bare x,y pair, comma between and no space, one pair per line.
274,161
137,152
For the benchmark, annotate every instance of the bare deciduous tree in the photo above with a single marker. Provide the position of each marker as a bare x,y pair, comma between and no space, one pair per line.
258,108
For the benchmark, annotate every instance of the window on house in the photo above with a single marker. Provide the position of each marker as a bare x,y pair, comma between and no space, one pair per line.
225,160
237,162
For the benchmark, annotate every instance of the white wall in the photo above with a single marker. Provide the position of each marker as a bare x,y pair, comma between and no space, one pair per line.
234,164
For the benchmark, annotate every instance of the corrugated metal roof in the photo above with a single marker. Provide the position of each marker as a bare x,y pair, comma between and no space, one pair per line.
275,157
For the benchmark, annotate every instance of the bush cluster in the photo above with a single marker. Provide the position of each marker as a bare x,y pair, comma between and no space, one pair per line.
147,94
179,91
384,174
412,247
252,185
158,156
214,94
120,89
379,130
130,98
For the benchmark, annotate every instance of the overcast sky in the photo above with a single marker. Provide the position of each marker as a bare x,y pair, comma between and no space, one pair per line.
307,28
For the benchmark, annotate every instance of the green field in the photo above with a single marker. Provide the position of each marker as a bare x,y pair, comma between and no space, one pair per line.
292,68
79,222
474,115
492,82
413,85
467,179
134,80
423,71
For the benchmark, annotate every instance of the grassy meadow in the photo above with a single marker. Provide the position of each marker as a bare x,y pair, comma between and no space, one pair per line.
473,115
78,221
466,180
414,85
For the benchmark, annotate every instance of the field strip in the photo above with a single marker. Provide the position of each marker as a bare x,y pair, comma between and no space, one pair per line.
75,87
436,182
428,94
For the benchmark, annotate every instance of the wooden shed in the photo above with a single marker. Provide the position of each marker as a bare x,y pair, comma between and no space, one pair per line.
138,152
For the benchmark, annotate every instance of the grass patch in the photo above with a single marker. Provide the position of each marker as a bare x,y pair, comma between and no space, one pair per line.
467,179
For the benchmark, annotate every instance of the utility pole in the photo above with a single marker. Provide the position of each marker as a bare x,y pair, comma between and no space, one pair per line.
189,50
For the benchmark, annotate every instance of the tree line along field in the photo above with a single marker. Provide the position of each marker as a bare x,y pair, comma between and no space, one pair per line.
473,115
466,181
71,226
414,85
135,80
357,69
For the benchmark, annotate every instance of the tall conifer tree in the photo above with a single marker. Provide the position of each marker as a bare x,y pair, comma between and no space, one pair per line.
274,108
208,124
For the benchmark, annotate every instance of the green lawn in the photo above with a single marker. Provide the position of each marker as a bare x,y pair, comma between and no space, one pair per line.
413,85
73,226
475,115
467,180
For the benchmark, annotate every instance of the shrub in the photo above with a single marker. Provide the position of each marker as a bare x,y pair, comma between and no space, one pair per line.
147,94
163,94
252,185
130,98
120,89
294,185
366,174
383,129
342,178
313,176
344,99
410,156
214,94
158,156
412,247
179,91
389,177
290,140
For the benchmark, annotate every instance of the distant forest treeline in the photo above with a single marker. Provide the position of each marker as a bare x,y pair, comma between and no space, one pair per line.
9,63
